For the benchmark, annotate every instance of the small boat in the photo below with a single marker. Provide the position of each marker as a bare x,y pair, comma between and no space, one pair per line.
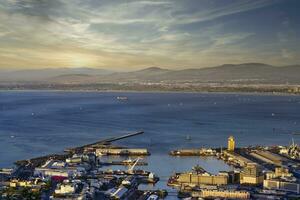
188,137
128,162
122,98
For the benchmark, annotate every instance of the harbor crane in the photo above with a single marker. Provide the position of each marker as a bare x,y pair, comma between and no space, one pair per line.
131,167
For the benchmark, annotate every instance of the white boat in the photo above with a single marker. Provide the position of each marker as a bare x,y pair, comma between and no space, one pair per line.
123,98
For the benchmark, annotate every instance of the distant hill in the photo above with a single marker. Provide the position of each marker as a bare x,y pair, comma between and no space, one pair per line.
48,74
228,73
148,74
248,72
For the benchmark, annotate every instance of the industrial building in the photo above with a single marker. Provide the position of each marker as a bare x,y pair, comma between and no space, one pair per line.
68,188
120,151
202,179
269,157
281,185
20,183
58,168
241,160
280,172
228,194
281,180
47,172
252,175
233,176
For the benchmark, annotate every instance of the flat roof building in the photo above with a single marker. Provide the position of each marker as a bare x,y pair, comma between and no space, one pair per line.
202,179
280,185
241,160
228,194
252,174
120,151
269,157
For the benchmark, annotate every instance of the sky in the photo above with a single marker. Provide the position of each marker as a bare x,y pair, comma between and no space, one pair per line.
128,35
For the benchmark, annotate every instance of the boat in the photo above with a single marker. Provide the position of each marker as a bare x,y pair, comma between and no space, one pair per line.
122,98
188,137
153,197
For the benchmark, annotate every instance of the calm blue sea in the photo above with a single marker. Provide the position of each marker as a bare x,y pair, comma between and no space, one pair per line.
34,123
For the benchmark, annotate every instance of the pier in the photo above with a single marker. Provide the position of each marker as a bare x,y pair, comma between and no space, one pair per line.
34,162
102,142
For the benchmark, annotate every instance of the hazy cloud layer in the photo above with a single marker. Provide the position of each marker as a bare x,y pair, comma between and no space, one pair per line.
135,34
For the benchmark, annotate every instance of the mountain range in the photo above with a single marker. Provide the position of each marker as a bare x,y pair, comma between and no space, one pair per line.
229,73
48,74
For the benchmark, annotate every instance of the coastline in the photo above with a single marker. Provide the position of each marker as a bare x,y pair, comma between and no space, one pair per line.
153,91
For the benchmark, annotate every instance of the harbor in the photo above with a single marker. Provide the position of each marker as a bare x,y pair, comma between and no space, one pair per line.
259,172
149,100
129,175
79,174
140,165
103,170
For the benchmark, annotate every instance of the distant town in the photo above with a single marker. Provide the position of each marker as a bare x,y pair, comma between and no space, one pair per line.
159,87
262,78
258,172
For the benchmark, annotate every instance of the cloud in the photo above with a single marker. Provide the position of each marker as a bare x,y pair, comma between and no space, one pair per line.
131,34
286,54
228,39
214,12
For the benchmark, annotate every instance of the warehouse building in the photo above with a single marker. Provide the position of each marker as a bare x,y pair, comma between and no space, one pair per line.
278,184
120,151
227,194
202,179
269,157
252,175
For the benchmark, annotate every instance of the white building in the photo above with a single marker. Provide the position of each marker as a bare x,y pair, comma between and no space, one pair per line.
65,188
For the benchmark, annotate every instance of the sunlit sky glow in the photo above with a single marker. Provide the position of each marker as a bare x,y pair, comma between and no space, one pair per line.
137,34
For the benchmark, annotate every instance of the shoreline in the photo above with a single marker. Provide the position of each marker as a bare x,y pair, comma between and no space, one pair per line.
154,91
